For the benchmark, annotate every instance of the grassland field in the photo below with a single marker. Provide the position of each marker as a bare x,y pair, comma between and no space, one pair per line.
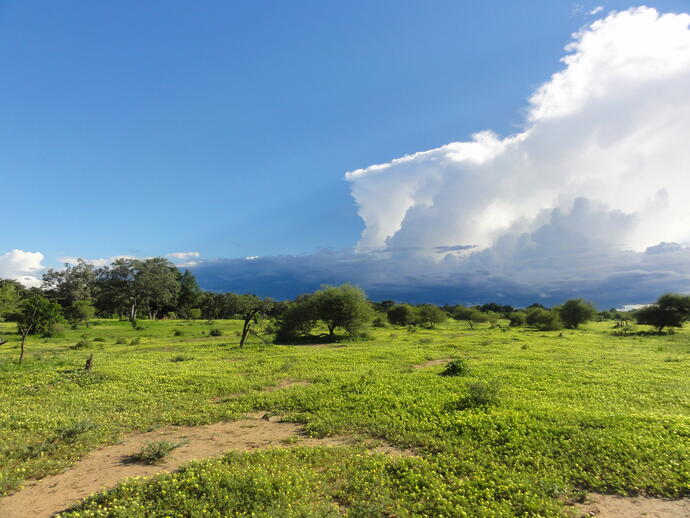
582,411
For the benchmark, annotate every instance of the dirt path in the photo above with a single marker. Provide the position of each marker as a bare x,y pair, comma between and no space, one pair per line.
432,363
105,467
611,506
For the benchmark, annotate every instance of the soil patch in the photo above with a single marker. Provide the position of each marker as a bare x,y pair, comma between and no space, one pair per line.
104,468
289,382
612,506
431,363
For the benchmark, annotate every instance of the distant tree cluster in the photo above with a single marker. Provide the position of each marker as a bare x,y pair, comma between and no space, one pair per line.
155,288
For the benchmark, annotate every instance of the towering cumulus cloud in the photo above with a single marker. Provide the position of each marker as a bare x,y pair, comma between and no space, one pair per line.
603,161
591,198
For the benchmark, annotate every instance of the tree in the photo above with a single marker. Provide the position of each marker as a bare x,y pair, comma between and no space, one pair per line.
431,315
156,285
470,315
517,318
80,312
71,284
116,294
543,319
190,294
345,306
10,296
670,310
298,318
574,312
36,316
403,315
250,309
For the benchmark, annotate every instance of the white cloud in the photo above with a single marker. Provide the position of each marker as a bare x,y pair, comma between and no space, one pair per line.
599,172
22,266
182,256
184,259
596,10
97,262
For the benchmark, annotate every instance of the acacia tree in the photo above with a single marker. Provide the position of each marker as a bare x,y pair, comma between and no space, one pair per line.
345,306
403,315
670,310
36,315
470,315
250,308
431,315
574,312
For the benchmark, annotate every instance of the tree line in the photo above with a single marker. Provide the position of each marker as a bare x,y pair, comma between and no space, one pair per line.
155,288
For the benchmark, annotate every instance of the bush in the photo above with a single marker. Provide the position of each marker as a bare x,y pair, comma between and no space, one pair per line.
155,452
99,339
121,341
517,318
543,319
457,368
215,332
70,433
135,341
181,358
81,344
380,320
574,312
54,331
481,394
178,333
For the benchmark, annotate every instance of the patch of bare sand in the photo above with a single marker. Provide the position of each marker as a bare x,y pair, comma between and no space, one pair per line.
104,468
432,363
612,506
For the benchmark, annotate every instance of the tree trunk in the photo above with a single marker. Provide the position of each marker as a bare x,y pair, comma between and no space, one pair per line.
247,325
245,331
21,347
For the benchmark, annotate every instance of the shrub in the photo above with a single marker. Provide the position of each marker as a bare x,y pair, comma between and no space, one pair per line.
81,344
99,339
178,333
135,341
121,341
517,318
71,432
54,331
155,452
181,358
425,341
543,319
457,368
215,332
481,394
380,320
574,312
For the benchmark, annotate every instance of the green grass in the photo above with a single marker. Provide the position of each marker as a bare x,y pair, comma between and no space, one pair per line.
155,452
585,411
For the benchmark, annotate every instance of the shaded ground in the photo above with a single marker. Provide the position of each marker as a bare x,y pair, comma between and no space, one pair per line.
611,506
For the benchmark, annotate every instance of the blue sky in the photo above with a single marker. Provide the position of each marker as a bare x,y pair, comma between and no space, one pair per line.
146,128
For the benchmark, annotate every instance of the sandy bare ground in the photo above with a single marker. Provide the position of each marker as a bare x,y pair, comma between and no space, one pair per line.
610,506
105,467
432,363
